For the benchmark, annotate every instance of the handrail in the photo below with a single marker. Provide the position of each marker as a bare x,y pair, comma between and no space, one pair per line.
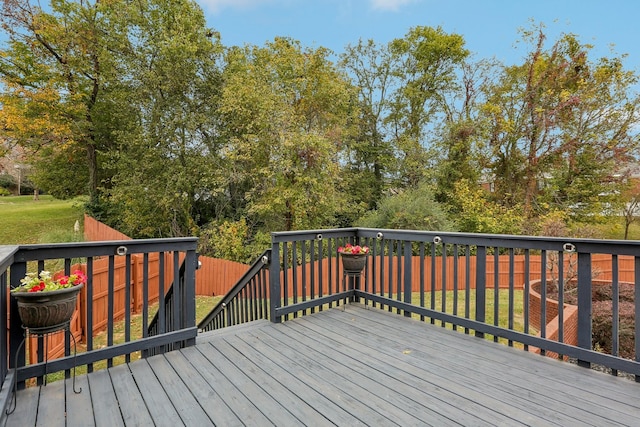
111,268
245,301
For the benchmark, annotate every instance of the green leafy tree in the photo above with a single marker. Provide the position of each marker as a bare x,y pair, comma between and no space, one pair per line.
369,155
479,214
165,177
286,112
55,70
425,63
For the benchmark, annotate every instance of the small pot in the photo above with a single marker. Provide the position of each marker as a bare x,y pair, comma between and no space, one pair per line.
353,263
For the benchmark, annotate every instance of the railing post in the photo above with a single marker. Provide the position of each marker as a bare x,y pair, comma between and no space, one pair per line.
274,283
189,300
481,286
16,333
584,304
408,258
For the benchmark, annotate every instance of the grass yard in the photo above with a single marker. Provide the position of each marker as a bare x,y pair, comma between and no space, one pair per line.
48,220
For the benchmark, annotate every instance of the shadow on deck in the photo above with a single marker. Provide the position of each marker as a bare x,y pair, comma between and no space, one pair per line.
351,365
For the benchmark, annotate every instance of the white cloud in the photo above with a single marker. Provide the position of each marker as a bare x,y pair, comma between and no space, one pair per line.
390,5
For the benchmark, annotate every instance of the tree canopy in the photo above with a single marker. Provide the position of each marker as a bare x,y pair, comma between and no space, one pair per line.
171,133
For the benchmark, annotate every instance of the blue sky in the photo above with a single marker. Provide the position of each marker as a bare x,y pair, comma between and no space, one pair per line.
489,27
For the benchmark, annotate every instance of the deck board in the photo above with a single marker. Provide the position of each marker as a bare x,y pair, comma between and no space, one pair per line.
350,365
130,399
465,381
570,390
154,394
106,410
79,410
216,409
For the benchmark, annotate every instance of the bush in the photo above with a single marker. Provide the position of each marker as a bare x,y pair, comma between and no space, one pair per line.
4,192
8,181
602,328
414,209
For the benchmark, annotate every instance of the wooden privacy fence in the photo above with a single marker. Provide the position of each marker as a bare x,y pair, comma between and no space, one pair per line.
214,277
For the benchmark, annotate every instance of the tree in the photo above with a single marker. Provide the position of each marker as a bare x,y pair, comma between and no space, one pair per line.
631,206
286,113
462,133
54,71
558,125
425,62
369,154
165,171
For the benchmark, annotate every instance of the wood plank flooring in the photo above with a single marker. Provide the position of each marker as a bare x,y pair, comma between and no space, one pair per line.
346,366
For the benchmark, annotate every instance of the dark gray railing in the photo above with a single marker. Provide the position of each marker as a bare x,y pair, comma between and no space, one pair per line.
167,319
488,278
248,300
16,261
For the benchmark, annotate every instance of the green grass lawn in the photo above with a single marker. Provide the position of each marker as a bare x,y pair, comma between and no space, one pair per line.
48,220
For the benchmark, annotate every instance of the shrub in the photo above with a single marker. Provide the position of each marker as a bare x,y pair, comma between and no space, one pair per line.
602,328
8,181
4,192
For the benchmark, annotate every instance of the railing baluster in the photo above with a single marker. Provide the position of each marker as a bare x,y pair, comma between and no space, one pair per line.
443,293
496,289
312,272
467,286
511,291
408,265
527,288
481,286
455,283
560,286
127,303
584,303
110,305
615,307
422,273
432,288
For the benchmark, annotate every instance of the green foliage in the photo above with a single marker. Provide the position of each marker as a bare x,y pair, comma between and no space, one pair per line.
413,209
477,214
4,192
8,181
233,241
559,126
140,106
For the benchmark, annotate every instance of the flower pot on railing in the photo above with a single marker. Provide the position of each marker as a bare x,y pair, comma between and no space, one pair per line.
354,258
45,304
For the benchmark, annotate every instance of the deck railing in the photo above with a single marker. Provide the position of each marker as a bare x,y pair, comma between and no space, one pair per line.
246,301
486,281
16,261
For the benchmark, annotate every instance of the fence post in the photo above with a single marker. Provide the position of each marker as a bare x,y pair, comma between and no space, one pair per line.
481,286
274,283
584,304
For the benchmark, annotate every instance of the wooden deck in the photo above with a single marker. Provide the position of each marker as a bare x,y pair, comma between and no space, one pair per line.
346,366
